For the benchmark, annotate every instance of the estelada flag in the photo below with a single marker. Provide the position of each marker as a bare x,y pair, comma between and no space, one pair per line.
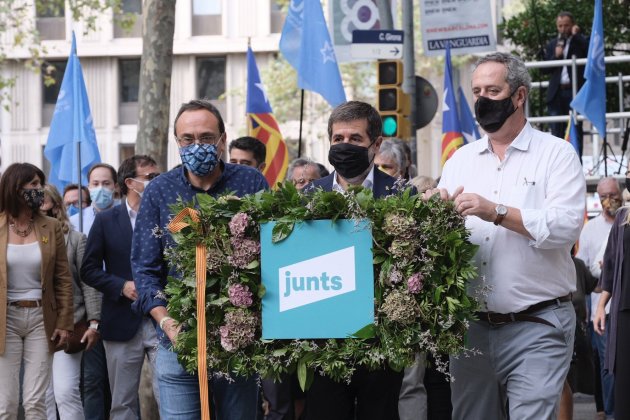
263,125
452,137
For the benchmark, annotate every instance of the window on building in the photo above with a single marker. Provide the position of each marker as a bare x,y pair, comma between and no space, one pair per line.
50,91
276,17
130,9
125,151
211,80
206,17
51,20
129,71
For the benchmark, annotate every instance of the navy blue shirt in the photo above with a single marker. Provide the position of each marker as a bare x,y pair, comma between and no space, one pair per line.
151,236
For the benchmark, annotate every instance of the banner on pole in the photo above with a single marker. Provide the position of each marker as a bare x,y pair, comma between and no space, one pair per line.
466,25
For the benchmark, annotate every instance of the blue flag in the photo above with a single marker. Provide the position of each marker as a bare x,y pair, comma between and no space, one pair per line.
306,45
590,101
469,128
71,124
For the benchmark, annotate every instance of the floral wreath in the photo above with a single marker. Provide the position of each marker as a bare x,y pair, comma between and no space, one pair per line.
422,263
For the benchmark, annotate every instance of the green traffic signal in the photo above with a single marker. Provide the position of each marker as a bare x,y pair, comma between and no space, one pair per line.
390,126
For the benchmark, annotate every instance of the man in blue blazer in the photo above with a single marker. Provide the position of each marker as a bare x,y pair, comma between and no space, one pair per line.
127,335
354,131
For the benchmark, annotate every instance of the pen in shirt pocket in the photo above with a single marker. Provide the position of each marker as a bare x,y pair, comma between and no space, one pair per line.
528,183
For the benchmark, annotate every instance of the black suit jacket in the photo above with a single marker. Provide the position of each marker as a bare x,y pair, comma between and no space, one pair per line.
109,242
383,184
578,46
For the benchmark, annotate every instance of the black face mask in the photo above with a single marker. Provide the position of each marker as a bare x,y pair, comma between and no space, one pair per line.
349,160
491,114
628,184
34,198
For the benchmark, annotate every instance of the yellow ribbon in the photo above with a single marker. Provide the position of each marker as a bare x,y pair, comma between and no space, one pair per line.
175,226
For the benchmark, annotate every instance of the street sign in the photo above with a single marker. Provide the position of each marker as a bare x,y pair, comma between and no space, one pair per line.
385,45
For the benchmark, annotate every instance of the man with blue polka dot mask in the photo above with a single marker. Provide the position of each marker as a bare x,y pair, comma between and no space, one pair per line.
201,138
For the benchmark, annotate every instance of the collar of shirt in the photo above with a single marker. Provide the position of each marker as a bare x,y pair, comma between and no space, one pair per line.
132,214
368,182
224,171
521,141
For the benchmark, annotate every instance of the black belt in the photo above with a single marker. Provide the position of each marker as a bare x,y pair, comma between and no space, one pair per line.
496,319
26,303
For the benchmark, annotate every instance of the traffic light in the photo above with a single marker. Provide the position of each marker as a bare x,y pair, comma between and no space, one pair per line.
392,103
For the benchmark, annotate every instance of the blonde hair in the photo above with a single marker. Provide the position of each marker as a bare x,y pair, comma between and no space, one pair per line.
59,209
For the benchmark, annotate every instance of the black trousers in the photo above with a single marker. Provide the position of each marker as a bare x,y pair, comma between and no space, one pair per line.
622,367
369,396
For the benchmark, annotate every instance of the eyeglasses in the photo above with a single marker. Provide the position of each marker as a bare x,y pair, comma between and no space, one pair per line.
149,176
205,139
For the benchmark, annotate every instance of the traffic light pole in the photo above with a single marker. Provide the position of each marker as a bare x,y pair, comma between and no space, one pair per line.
385,14
409,66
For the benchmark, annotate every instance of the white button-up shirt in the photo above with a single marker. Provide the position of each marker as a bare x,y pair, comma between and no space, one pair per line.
541,176
368,182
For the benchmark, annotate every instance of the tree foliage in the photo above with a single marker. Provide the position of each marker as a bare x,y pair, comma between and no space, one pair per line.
530,29
19,31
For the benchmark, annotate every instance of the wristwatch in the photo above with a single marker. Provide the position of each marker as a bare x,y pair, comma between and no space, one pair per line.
501,211
94,326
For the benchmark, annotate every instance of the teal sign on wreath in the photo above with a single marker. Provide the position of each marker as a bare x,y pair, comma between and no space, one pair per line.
319,281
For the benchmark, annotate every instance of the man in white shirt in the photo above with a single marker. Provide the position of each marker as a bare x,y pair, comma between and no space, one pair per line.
127,335
522,192
101,183
593,238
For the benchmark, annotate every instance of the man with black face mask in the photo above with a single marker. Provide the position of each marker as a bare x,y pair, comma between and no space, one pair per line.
522,193
354,131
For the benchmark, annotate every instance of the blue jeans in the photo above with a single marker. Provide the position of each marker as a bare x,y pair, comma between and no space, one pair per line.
179,393
96,394
608,380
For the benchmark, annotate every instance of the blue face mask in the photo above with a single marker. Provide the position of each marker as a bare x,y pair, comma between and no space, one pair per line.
72,210
102,198
200,159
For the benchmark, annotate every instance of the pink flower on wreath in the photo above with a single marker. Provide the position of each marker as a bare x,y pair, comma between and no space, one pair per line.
244,251
415,283
240,295
238,224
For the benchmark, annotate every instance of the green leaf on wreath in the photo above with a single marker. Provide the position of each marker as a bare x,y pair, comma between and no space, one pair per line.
281,231
301,374
253,264
369,331
219,301
261,291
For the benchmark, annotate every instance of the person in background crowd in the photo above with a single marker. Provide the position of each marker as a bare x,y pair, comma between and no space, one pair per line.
568,43
201,138
248,151
613,282
354,132
302,171
96,391
71,198
391,159
523,194
127,336
580,377
593,238
323,171
423,183
35,291
64,392
410,171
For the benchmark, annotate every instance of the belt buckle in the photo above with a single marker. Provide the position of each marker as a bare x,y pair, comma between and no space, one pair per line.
501,323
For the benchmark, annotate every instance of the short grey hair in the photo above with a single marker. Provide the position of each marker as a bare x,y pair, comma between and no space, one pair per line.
517,73
298,163
393,150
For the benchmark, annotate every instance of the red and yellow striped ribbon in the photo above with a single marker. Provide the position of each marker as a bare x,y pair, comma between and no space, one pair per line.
175,226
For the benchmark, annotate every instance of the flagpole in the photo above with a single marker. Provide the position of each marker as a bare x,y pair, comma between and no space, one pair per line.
80,187
299,153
